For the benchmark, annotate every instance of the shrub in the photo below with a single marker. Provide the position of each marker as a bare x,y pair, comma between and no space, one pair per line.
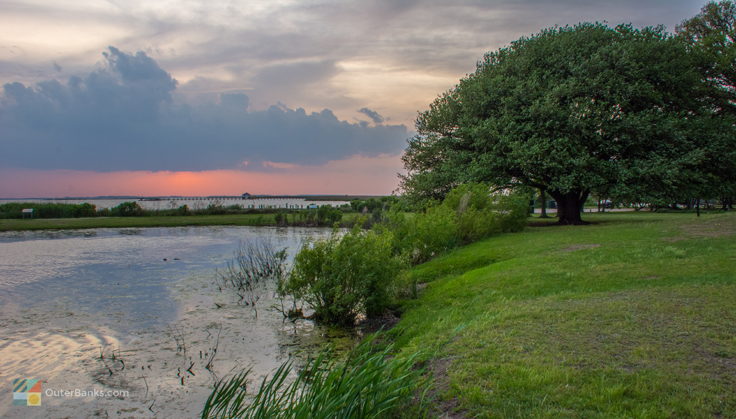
47,210
281,218
367,384
421,236
328,216
472,204
468,213
511,211
480,214
344,276
127,209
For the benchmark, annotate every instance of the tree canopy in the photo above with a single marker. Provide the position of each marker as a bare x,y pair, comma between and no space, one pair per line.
573,110
711,34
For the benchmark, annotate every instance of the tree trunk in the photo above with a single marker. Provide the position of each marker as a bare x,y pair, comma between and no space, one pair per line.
543,198
569,206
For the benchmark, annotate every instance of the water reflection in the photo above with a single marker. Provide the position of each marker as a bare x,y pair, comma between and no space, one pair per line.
70,300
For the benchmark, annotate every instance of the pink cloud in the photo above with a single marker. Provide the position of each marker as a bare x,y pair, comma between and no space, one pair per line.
354,175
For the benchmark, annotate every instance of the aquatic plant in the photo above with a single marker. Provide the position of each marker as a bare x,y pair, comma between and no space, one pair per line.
367,384
254,263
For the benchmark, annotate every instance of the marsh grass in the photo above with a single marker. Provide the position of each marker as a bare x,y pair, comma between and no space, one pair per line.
255,263
369,383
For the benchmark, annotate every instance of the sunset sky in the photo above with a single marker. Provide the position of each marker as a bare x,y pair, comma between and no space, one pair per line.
128,97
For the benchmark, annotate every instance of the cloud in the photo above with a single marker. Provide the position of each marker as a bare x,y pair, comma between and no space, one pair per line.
373,115
308,54
123,116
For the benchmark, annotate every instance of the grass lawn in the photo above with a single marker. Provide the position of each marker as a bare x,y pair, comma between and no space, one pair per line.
632,316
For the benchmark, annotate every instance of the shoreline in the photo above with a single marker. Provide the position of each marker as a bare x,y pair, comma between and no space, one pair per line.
244,220
250,220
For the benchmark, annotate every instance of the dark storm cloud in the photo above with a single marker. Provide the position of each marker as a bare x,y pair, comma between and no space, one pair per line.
373,115
123,117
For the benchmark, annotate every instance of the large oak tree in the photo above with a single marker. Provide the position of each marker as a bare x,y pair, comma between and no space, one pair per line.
712,35
571,110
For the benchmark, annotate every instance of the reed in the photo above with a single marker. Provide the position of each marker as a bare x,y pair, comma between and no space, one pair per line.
254,264
369,383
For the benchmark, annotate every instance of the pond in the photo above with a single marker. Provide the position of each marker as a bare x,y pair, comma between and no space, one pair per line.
131,323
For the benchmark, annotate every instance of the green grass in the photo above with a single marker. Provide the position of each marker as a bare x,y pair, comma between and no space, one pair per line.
632,316
367,383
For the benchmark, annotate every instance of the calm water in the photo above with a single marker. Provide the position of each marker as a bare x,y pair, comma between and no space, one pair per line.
70,300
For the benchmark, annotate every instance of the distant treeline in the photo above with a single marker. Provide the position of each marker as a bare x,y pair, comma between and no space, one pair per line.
51,210
324,215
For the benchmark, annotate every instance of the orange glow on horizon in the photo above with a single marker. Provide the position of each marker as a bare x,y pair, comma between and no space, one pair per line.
357,175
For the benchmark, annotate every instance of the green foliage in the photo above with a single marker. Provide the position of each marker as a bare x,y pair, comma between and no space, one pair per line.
344,276
713,32
422,236
370,205
50,210
127,209
480,214
711,35
368,384
468,213
281,218
328,216
573,110
324,216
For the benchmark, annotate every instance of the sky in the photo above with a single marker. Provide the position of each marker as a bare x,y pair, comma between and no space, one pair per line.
189,97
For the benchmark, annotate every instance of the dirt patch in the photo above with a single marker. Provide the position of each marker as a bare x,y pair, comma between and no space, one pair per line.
386,322
442,408
721,226
580,247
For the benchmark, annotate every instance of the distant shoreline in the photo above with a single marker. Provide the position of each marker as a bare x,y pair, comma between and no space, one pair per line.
316,197
136,222
246,220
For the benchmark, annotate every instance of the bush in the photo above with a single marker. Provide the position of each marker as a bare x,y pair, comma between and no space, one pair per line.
421,236
511,211
281,219
127,209
48,210
345,276
480,214
467,214
328,216
322,216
